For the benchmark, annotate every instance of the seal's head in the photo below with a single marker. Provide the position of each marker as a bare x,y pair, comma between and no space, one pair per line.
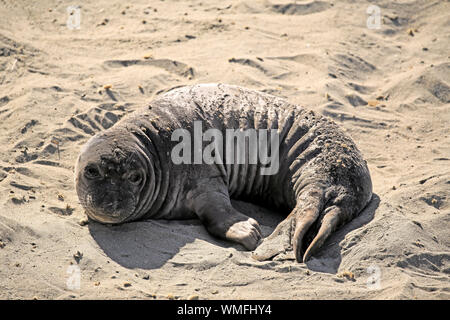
110,175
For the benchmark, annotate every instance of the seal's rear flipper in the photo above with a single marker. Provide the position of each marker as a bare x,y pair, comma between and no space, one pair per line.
308,226
277,243
289,234
329,223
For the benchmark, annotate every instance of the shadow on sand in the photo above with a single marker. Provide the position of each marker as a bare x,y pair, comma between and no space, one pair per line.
150,244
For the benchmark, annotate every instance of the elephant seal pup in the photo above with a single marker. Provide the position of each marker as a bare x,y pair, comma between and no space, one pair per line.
141,168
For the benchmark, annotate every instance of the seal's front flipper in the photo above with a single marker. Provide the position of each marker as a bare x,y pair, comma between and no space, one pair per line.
220,218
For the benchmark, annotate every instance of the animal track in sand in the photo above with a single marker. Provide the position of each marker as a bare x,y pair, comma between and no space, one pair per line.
171,66
301,9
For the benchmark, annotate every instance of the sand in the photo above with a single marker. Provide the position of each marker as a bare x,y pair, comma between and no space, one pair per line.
387,87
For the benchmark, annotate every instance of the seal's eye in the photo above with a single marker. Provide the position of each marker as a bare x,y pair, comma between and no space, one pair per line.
92,172
135,177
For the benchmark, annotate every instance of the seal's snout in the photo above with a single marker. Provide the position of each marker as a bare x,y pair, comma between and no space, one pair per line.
109,199
108,183
113,203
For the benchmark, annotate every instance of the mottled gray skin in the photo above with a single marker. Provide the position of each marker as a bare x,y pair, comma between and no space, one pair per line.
125,173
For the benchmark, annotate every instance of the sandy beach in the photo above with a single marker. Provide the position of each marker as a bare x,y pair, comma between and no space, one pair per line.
380,69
